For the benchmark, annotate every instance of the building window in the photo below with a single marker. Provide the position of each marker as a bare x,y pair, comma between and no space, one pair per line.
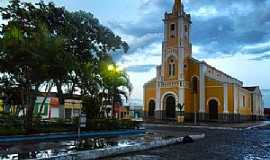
172,30
186,29
195,85
171,70
172,27
171,67
244,101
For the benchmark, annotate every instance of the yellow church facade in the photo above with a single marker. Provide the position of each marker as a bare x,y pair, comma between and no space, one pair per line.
206,92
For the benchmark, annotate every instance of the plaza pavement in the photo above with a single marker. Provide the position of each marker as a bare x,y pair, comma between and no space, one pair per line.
238,141
211,125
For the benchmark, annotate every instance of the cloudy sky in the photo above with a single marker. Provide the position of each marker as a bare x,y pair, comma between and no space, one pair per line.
232,35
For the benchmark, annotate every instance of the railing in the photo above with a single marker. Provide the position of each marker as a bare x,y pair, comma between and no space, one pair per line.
220,76
168,84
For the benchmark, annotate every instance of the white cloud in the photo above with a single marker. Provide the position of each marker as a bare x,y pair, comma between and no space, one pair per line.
256,47
206,11
137,80
150,55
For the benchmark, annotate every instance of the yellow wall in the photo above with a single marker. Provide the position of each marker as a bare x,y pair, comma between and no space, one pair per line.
230,99
149,94
214,89
245,110
191,100
1,105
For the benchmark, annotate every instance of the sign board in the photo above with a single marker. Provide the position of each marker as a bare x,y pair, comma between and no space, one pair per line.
83,120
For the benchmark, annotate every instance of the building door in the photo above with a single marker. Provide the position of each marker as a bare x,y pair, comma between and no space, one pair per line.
170,107
151,109
213,110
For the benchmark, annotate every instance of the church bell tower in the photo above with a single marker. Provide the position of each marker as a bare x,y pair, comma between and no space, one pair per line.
176,45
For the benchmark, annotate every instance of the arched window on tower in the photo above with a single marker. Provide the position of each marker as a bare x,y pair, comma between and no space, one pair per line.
194,85
172,30
171,67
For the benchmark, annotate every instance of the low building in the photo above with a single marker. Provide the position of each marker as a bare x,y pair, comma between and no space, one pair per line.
136,112
50,109
267,113
120,111
72,108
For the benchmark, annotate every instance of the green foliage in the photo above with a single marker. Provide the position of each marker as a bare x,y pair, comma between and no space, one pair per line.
91,106
43,43
11,124
110,124
180,106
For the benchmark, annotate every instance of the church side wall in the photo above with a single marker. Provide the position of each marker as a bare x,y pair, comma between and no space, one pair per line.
245,104
149,94
191,100
214,90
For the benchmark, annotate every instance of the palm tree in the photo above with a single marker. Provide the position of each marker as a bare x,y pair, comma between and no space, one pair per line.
116,85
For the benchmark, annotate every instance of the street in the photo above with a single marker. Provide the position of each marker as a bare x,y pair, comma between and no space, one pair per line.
219,144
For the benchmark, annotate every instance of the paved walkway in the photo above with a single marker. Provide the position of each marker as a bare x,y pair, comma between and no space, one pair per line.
245,144
213,125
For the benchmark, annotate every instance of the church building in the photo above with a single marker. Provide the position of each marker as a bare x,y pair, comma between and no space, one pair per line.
204,91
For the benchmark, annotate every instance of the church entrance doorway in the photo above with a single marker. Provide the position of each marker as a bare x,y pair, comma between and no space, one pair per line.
151,109
213,109
170,107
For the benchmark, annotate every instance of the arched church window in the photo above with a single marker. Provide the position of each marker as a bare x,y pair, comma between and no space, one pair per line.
171,67
172,30
186,31
186,28
194,85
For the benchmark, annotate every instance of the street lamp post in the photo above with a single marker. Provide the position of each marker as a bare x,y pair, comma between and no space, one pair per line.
114,70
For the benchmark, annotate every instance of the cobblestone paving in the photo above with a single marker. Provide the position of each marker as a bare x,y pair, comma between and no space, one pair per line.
251,144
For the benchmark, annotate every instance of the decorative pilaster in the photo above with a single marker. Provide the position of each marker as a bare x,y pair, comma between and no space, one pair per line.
157,107
165,31
202,88
181,90
235,99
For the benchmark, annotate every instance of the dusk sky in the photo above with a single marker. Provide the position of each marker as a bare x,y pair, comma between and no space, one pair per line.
231,35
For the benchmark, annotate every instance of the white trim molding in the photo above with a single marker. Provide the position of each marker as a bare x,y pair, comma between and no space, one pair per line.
235,98
202,87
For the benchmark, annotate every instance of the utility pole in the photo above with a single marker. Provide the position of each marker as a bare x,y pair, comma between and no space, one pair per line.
194,108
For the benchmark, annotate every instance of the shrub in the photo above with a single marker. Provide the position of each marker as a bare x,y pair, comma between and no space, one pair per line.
110,124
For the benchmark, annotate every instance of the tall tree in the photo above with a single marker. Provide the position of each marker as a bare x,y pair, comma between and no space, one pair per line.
43,43
28,52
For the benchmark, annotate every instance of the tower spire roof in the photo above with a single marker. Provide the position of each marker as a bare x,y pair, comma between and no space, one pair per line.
177,6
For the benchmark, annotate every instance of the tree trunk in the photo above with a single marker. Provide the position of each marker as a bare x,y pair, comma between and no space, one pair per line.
30,103
60,92
46,95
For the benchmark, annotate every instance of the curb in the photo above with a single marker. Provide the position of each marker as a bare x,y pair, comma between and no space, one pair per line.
68,136
209,127
108,152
